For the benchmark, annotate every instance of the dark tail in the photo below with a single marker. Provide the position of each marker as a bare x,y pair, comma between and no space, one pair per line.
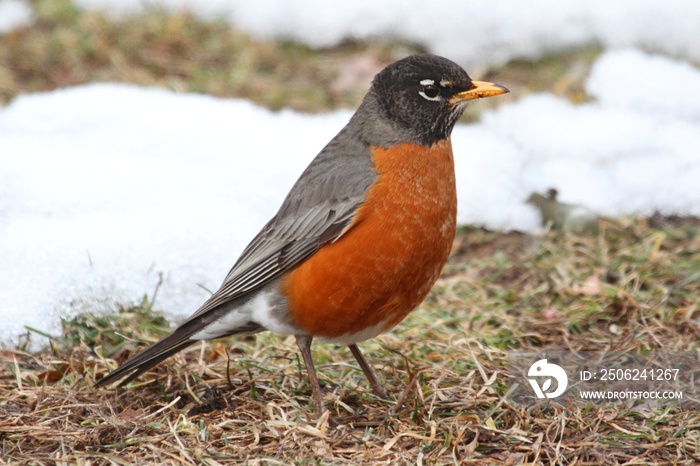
171,344
147,358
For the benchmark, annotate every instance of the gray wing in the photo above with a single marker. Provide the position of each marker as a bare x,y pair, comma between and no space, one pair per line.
317,211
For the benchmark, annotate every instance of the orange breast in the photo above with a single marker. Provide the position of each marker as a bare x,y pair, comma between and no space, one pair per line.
385,264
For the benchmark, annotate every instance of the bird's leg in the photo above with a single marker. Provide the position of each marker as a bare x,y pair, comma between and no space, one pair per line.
369,373
304,343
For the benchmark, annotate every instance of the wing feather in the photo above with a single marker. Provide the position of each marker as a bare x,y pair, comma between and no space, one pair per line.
318,210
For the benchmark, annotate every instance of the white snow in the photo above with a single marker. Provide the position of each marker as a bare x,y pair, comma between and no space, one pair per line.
474,32
14,14
631,151
104,187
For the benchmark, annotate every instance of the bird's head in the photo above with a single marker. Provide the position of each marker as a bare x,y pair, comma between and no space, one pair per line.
426,94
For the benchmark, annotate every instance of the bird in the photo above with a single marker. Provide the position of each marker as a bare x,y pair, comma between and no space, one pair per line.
362,235
561,216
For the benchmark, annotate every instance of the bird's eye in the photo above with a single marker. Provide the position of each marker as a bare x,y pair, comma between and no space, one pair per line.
431,91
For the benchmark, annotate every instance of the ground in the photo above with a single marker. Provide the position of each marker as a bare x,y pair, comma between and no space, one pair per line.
633,285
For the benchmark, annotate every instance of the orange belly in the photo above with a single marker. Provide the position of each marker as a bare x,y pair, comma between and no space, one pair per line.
392,254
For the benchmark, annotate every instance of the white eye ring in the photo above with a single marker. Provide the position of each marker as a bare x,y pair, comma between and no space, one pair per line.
430,91
429,85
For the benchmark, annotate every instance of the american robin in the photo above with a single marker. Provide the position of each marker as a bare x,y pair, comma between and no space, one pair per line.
361,237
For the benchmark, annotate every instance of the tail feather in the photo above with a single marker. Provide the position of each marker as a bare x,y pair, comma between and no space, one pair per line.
146,359
180,339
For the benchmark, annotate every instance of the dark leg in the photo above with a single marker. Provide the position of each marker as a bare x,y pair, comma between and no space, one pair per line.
304,343
369,373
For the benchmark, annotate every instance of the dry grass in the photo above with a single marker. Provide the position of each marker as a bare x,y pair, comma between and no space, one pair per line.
67,47
445,366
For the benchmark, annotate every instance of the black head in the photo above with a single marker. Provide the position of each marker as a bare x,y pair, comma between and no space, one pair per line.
424,95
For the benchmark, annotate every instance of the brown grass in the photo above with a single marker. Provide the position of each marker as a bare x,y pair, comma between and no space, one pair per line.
67,47
444,366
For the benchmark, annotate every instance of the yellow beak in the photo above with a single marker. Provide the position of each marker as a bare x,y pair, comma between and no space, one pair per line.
479,89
